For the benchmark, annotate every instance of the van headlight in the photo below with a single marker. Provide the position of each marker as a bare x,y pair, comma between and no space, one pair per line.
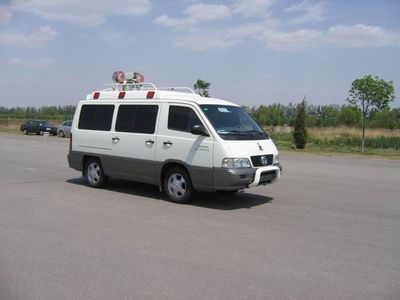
276,159
235,162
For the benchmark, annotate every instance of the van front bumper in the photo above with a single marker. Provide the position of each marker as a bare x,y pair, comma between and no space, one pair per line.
226,179
268,174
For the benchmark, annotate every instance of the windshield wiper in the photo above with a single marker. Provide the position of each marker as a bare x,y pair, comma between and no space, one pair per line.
232,132
255,131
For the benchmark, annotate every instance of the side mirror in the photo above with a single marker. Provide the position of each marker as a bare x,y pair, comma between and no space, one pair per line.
199,130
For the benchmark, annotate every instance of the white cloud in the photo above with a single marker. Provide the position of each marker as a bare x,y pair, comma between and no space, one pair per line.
291,41
196,35
20,39
15,61
220,39
340,36
37,63
85,13
250,8
196,14
5,14
361,35
311,12
117,38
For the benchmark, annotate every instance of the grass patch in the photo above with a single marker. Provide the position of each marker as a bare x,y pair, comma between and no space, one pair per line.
9,131
345,141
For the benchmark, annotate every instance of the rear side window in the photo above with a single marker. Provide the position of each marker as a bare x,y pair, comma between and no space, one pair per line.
96,117
137,118
182,118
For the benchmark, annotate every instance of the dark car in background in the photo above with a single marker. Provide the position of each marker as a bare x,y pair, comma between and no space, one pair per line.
38,127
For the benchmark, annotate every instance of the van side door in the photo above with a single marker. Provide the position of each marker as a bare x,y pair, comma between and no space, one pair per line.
134,142
176,143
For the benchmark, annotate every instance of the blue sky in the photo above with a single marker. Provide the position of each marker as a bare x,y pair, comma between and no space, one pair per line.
54,52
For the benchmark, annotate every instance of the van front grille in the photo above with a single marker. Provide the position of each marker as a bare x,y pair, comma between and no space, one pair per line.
258,160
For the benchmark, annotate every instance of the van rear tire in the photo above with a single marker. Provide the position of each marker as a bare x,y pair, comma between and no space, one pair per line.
177,185
94,174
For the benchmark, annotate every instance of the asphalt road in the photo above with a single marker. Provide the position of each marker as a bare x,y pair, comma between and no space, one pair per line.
330,229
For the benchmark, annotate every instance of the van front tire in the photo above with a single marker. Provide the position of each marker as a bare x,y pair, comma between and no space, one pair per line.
94,174
177,185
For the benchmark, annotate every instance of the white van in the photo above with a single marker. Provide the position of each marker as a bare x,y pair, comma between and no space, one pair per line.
180,141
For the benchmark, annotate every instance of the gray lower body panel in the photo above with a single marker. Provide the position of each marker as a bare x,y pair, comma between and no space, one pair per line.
203,178
233,179
125,168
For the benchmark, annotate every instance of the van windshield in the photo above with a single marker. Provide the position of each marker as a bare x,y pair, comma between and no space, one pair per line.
233,122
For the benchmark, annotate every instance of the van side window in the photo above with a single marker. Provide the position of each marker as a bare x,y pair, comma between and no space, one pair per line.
137,118
182,118
96,117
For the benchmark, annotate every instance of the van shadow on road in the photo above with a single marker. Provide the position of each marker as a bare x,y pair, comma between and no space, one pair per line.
201,199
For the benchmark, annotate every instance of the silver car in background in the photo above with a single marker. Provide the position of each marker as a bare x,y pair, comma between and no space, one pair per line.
64,130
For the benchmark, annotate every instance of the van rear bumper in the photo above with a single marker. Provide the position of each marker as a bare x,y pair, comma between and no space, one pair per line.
75,160
226,179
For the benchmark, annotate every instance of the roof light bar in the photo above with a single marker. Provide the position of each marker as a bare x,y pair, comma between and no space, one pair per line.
96,95
121,95
150,94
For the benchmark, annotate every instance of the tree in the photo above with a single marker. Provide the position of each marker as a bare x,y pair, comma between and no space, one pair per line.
202,88
384,119
349,116
290,113
311,121
329,115
396,111
272,115
299,131
368,93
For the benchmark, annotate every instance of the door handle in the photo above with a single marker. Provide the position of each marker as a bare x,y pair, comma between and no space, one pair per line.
149,142
115,139
167,143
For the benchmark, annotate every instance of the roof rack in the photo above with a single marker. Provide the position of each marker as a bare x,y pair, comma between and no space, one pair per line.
145,86
131,86
174,88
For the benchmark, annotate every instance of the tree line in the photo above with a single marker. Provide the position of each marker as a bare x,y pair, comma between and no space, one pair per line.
45,112
325,116
374,112
267,115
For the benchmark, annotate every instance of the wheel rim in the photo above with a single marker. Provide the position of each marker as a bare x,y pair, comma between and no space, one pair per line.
94,173
177,185
61,133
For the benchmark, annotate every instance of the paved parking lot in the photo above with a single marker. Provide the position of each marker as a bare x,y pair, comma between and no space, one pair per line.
330,229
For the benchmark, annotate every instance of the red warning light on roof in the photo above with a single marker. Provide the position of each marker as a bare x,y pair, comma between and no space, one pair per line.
121,95
150,94
96,95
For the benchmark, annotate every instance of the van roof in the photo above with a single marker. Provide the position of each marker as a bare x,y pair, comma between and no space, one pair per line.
118,94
